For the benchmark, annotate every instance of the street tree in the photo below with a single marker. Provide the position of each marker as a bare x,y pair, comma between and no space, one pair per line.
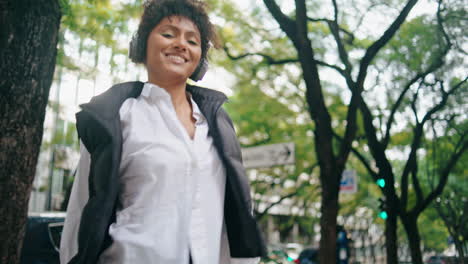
29,33
431,96
315,41
452,205
28,48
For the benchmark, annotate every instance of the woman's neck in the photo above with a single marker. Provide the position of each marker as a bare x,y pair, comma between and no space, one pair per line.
177,90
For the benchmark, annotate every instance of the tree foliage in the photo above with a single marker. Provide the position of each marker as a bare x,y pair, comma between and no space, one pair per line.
395,83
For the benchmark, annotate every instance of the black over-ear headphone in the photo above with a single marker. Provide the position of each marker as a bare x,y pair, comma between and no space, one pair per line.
200,71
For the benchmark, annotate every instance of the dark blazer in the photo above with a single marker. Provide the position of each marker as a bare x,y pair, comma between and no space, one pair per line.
98,125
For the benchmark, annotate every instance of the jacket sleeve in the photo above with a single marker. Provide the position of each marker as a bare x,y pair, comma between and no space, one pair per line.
78,198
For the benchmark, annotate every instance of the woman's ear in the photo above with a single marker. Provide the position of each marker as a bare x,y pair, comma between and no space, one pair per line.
200,71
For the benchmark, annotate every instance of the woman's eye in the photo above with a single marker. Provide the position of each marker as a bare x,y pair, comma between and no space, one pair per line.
193,42
166,35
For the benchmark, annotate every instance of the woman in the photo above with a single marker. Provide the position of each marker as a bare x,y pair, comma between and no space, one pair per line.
161,178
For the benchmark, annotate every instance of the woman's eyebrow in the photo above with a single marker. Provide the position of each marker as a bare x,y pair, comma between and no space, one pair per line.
175,28
164,27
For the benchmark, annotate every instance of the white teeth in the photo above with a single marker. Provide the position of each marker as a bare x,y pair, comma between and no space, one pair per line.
176,59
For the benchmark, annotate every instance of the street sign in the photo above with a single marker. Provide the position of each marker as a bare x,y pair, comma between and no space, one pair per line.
269,155
348,182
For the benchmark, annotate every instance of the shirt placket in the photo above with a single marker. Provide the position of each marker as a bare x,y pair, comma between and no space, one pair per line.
198,235
190,180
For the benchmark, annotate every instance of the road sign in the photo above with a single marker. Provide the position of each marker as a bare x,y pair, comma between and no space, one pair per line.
268,155
348,182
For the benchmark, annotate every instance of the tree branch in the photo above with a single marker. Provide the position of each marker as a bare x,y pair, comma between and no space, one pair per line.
361,158
443,178
301,24
440,24
378,152
417,186
287,24
318,19
267,58
334,67
351,125
413,105
382,41
316,101
345,31
361,19
445,96
351,128
397,104
377,147
289,195
335,30
271,61
447,220
335,13
262,214
436,64
417,136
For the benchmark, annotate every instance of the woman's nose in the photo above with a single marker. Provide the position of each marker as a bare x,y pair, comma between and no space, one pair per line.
180,43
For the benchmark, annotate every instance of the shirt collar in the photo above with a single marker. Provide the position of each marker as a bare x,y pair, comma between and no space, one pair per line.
153,91
196,113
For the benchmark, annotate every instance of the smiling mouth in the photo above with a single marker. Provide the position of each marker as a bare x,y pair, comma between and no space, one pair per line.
176,59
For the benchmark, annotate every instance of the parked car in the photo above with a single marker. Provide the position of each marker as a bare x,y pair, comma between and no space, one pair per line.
308,256
438,259
279,254
42,238
293,250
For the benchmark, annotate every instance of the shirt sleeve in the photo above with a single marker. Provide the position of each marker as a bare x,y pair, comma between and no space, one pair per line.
78,198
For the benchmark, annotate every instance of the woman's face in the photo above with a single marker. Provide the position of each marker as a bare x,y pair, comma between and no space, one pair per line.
173,49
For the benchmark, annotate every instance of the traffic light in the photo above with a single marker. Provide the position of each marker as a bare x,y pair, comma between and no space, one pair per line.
383,215
381,182
383,209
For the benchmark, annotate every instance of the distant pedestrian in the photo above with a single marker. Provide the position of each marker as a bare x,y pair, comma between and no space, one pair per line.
160,176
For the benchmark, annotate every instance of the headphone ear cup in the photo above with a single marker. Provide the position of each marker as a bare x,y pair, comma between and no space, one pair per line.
132,50
200,71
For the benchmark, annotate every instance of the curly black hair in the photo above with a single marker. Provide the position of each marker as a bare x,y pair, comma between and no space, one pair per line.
157,10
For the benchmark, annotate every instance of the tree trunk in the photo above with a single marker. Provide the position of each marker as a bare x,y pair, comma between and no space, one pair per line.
414,239
28,40
391,244
461,253
391,226
329,211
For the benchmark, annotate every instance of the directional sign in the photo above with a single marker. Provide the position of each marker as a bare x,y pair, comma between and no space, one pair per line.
348,182
268,155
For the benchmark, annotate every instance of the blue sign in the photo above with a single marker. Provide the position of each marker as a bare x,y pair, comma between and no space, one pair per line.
348,182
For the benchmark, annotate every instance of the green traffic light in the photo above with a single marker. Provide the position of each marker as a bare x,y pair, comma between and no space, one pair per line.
381,183
290,259
383,215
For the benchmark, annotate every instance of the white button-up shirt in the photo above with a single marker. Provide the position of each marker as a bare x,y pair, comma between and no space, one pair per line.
171,203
